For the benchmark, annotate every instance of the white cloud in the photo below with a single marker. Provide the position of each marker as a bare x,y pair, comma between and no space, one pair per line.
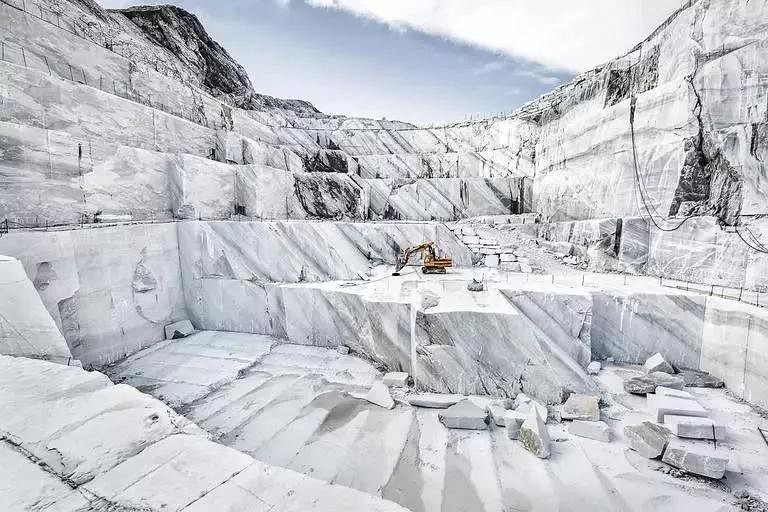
282,3
573,35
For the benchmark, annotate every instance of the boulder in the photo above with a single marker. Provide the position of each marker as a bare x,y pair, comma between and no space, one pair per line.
434,400
700,379
694,427
534,436
541,409
647,439
342,349
594,368
396,380
464,415
379,395
646,384
498,414
597,430
177,330
670,405
698,458
581,407
475,286
513,421
657,363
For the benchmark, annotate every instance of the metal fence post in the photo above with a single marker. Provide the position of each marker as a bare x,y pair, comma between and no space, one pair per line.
24,56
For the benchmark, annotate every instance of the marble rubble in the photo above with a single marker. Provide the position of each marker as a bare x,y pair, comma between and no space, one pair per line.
224,257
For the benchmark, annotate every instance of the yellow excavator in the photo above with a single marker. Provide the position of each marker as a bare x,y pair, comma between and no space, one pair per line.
431,264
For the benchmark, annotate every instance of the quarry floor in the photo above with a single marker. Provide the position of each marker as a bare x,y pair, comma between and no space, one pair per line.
296,407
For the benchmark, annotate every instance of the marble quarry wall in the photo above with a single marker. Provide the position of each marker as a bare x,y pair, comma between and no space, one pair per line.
700,251
110,291
26,328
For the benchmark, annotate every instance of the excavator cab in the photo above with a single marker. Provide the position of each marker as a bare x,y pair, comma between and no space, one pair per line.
431,263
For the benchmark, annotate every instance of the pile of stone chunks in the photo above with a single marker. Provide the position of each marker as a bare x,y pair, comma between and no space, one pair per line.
658,372
523,418
490,251
682,435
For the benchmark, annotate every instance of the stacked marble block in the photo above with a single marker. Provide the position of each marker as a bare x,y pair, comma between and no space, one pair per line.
490,252
677,413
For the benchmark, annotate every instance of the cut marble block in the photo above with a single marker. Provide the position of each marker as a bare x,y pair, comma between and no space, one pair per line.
697,457
396,379
464,415
342,349
647,439
597,430
379,395
434,400
581,407
667,405
179,330
657,363
672,392
594,368
694,427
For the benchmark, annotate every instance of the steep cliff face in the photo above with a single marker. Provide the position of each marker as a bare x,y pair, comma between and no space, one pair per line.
181,33
671,129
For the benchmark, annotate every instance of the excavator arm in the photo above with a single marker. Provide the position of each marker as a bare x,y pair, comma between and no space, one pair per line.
432,264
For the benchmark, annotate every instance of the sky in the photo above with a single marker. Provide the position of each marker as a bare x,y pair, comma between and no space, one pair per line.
422,61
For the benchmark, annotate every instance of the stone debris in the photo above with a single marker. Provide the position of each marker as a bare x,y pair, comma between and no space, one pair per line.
429,299
434,400
697,458
647,439
180,329
670,405
464,415
475,286
594,368
534,436
513,421
379,395
694,427
700,379
581,407
597,430
646,384
396,380
657,363
342,349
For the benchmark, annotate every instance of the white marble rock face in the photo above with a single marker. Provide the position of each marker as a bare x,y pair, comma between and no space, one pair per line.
111,291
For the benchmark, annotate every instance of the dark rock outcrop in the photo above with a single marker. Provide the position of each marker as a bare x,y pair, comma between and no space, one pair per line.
182,34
